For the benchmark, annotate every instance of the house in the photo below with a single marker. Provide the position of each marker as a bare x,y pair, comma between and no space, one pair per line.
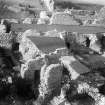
63,18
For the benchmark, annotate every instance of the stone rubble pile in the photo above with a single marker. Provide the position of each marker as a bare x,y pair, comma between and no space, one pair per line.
94,93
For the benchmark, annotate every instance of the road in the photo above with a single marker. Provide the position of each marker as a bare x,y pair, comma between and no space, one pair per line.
60,28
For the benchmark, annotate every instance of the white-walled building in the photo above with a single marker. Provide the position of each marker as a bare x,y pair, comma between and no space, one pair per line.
49,4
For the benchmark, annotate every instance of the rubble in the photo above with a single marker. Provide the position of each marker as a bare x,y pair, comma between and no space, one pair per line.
94,93
59,101
89,86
